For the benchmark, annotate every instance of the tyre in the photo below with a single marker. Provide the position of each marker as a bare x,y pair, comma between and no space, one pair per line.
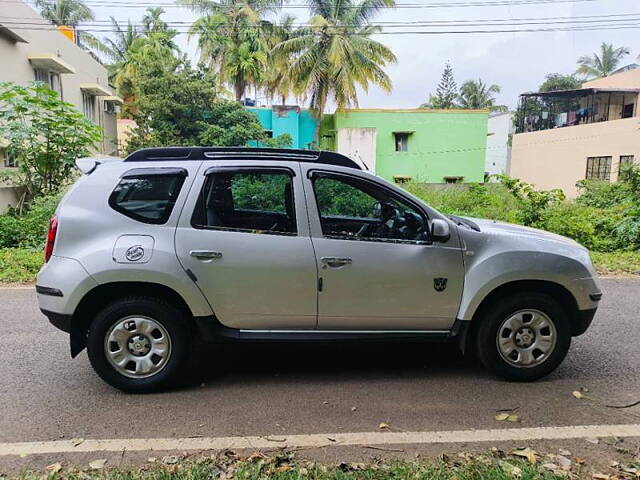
138,344
523,337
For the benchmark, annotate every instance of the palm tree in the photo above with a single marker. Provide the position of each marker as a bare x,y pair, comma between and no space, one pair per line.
152,21
477,95
335,54
115,49
278,79
230,39
65,12
602,64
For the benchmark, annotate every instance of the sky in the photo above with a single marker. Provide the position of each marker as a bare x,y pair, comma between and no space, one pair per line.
517,62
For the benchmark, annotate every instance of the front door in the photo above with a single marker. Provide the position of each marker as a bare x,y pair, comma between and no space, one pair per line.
378,268
246,239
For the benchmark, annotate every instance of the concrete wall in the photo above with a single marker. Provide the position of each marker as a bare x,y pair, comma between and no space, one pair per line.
291,119
358,144
498,153
45,40
442,143
557,158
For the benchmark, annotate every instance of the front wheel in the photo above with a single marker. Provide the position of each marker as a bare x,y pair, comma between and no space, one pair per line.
524,337
138,344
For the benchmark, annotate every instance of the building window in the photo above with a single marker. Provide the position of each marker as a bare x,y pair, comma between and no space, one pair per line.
401,141
599,168
627,110
89,106
51,79
626,160
7,159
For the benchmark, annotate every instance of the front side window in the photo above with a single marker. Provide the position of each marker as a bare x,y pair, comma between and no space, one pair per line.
401,141
599,168
254,201
355,209
148,197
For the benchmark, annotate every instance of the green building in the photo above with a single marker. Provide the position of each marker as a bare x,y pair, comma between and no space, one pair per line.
423,145
426,146
279,119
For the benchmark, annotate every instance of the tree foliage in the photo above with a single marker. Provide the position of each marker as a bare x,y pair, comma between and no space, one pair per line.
556,81
477,95
602,63
45,136
335,54
446,91
182,107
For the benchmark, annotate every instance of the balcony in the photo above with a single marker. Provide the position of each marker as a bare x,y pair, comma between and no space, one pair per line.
546,110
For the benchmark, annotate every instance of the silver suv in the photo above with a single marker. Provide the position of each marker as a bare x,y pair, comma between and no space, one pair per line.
147,253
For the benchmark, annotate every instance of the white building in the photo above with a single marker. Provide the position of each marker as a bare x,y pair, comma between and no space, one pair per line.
498,153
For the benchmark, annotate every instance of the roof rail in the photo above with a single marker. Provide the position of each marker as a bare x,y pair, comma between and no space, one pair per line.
178,154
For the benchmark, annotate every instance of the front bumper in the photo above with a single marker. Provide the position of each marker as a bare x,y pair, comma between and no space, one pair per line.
59,320
582,321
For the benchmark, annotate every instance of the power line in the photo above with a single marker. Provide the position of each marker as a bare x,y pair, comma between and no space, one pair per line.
474,3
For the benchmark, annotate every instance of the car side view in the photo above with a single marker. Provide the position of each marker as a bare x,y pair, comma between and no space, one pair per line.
236,244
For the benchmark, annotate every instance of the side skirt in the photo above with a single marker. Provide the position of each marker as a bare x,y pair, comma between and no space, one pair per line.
211,329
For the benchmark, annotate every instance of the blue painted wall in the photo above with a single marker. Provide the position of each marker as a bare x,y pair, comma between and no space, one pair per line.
298,123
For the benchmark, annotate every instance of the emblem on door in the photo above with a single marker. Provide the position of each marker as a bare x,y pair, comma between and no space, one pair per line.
439,284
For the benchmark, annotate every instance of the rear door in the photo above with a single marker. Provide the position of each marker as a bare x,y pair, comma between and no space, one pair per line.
244,234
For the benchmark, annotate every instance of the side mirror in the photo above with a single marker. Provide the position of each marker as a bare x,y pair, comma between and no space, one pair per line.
440,231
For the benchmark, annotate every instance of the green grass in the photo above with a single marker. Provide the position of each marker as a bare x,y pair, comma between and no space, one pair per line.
259,467
19,265
617,263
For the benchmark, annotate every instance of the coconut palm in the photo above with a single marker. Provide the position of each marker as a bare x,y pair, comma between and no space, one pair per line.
603,63
152,20
477,95
230,39
115,49
278,80
65,12
335,54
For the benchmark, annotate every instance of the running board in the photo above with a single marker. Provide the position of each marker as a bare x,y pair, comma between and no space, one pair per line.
211,329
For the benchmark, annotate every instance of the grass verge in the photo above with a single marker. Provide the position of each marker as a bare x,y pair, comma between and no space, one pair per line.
20,265
258,466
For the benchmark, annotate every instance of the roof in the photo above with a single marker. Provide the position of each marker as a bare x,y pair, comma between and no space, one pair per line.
240,153
579,91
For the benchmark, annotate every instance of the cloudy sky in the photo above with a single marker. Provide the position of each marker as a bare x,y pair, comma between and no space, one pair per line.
517,62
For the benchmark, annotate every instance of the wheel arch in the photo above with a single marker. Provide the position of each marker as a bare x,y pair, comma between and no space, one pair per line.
103,294
561,294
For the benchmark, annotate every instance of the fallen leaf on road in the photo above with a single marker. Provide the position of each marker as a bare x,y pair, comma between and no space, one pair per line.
577,394
595,441
525,453
170,460
510,469
284,468
54,467
383,426
76,441
564,452
513,418
501,417
353,409
151,459
97,464
600,476
173,468
564,463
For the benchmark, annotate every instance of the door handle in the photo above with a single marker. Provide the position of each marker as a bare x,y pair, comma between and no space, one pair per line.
335,261
205,254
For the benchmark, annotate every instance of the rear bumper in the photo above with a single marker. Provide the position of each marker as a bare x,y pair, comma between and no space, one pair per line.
582,321
59,320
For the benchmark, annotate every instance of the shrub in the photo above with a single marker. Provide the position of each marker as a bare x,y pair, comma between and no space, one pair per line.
29,229
18,265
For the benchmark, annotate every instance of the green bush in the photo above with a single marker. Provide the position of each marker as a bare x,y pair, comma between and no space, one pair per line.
29,229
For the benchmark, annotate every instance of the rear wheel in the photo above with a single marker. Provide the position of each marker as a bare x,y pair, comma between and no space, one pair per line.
524,337
138,344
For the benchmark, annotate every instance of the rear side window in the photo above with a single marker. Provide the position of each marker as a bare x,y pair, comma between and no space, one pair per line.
148,195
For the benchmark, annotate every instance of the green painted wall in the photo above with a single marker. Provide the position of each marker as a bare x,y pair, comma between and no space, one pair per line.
444,143
300,124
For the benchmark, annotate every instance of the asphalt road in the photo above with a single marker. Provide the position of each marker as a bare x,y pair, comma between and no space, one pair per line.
273,390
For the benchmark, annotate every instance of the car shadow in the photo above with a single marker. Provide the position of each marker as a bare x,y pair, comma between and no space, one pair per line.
326,361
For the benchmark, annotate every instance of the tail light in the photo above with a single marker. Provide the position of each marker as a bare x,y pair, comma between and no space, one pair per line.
51,238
